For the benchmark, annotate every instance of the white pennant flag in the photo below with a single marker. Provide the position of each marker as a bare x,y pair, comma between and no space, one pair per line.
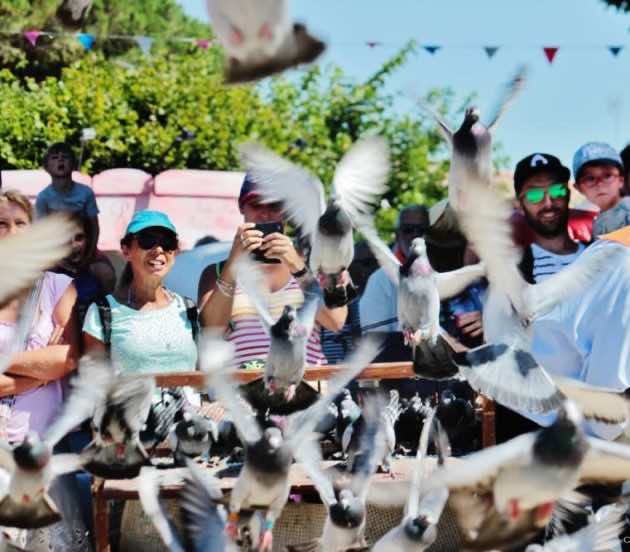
145,43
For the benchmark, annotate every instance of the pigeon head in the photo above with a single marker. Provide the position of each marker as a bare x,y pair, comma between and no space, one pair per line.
419,529
563,441
273,438
471,116
335,222
347,512
32,454
419,247
281,329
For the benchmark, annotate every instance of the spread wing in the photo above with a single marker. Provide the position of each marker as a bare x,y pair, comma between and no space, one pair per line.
386,259
88,389
452,283
216,360
605,462
148,491
134,395
27,254
512,90
301,193
361,176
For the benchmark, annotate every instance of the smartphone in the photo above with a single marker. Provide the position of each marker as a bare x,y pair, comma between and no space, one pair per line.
267,228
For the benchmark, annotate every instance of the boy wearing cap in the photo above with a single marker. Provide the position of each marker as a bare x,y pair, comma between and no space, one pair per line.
599,175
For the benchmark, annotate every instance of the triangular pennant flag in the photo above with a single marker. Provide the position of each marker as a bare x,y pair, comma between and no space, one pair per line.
431,48
32,36
86,40
145,43
491,50
373,43
203,43
614,50
550,53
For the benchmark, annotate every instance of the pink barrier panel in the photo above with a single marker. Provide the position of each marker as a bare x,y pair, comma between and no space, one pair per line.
199,202
31,182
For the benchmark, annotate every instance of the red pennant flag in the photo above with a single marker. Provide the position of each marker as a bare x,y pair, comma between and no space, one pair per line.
550,53
203,43
32,36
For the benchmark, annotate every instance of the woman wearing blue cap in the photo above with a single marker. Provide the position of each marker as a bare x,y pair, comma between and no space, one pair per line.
150,328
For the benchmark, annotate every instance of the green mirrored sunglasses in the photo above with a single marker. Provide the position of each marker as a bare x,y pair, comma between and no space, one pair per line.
555,191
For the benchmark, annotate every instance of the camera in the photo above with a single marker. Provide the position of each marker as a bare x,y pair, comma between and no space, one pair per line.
266,228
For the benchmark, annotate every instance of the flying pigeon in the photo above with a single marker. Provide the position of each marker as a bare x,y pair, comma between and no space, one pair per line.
360,179
471,147
259,38
192,437
118,406
286,361
264,478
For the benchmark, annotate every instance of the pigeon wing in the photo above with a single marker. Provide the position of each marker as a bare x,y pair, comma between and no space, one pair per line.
454,282
134,395
605,462
513,89
301,193
361,176
418,471
27,254
148,491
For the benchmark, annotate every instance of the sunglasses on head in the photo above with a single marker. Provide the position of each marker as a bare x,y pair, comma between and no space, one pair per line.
555,191
149,240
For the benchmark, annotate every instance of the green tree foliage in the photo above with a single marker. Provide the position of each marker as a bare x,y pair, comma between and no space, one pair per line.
139,107
107,18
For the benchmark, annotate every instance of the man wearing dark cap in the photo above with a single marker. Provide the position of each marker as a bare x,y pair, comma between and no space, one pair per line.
541,185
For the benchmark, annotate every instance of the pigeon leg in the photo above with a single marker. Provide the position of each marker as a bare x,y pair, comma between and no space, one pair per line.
543,513
265,33
407,335
290,393
266,539
231,527
236,37
514,509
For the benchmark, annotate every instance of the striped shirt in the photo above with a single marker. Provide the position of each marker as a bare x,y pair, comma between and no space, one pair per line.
546,263
247,331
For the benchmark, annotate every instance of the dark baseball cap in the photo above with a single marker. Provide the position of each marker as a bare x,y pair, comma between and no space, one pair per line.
537,163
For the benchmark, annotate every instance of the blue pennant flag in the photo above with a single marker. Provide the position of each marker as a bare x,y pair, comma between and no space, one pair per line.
86,40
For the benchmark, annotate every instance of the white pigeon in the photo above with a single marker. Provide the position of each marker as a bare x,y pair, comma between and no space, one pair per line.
259,38
264,479
360,179
289,334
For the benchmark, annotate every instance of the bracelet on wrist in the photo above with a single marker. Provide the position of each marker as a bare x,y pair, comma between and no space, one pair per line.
300,273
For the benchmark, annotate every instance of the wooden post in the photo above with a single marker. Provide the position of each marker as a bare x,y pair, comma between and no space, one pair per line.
101,516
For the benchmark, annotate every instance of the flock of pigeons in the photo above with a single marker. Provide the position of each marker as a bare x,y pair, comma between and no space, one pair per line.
500,496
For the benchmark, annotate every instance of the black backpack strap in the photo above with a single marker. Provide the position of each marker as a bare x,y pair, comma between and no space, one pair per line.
193,316
105,314
526,265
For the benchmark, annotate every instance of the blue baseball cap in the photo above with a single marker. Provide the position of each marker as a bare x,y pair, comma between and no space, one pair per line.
595,152
149,219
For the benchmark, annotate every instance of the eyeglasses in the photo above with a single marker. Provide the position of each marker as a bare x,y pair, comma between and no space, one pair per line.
148,241
591,181
555,191
413,229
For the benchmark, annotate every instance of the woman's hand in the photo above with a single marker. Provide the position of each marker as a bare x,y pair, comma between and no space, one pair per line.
278,246
469,323
246,240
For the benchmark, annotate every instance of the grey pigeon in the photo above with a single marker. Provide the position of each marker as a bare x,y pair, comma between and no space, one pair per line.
471,147
289,334
360,179
259,38
264,479
203,517
192,437
418,528
118,407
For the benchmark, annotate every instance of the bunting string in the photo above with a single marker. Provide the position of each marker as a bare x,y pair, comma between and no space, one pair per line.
145,43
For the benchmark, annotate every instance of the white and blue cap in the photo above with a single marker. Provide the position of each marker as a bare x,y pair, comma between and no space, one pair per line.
595,152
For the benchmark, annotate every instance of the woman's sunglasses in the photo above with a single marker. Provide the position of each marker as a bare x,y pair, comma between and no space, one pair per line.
555,191
148,241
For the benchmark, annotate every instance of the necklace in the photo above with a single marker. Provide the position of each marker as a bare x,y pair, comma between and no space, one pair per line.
131,301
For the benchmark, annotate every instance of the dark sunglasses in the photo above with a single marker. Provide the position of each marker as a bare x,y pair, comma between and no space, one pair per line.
148,241
555,191
413,229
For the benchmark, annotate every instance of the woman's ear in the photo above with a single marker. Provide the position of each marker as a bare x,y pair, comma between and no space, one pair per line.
124,249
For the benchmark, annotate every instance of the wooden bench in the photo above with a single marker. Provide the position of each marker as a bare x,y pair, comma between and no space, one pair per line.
103,491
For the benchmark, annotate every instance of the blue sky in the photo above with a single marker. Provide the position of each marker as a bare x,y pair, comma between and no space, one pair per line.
577,99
